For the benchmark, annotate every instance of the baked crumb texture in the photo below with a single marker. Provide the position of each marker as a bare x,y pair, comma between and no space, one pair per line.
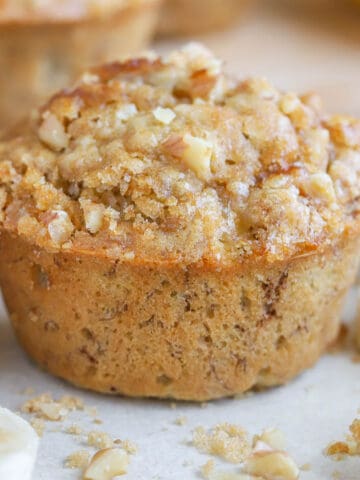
262,458
54,41
194,16
349,447
170,231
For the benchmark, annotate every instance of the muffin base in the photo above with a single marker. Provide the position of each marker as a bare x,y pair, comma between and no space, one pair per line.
38,60
192,333
186,17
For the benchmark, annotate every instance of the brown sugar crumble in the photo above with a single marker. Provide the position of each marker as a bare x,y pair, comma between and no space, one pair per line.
99,440
350,447
226,441
151,166
45,407
78,459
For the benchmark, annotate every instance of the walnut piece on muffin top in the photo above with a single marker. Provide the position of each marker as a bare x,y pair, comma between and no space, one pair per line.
34,11
170,159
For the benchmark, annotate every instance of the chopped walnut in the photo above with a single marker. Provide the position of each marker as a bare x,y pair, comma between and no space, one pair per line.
60,227
107,464
52,133
197,156
272,437
164,115
271,465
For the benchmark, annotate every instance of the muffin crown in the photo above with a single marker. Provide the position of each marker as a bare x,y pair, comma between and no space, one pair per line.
168,160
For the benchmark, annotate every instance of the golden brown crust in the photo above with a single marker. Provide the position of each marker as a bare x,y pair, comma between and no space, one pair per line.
173,331
171,160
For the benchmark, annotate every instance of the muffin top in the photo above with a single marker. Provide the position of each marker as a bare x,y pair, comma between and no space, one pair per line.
170,160
38,11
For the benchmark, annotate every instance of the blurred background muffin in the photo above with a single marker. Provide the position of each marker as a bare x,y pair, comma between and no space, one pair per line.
184,17
46,43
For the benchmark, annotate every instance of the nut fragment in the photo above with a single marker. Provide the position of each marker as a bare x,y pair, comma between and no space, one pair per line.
93,214
99,440
272,465
164,115
52,133
272,437
197,155
107,464
61,227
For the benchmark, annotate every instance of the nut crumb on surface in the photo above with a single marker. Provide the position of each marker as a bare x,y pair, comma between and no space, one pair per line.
130,447
38,425
207,469
271,465
45,407
107,464
226,441
74,430
181,421
99,440
79,459
350,447
264,458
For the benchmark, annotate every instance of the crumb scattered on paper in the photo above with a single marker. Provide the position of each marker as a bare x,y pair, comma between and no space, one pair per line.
78,459
349,447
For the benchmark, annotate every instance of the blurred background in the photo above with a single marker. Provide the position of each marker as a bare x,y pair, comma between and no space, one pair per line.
298,44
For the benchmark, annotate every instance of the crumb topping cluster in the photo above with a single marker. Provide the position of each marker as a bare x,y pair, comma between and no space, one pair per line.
53,10
171,159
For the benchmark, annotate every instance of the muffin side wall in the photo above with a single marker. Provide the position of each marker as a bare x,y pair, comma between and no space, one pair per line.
187,333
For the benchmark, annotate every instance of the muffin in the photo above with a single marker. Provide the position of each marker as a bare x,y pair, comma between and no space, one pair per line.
168,231
46,44
185,17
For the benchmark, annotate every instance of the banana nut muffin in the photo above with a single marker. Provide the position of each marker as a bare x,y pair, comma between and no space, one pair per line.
196,16
44,44
168,231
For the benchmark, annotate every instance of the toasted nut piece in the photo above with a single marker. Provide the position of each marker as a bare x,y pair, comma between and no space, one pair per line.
272,465
164,115
272,437
52,133
107,464
197,155
60,227
93,214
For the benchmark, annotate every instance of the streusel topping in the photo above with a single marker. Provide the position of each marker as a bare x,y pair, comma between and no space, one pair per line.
170,159
34,11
